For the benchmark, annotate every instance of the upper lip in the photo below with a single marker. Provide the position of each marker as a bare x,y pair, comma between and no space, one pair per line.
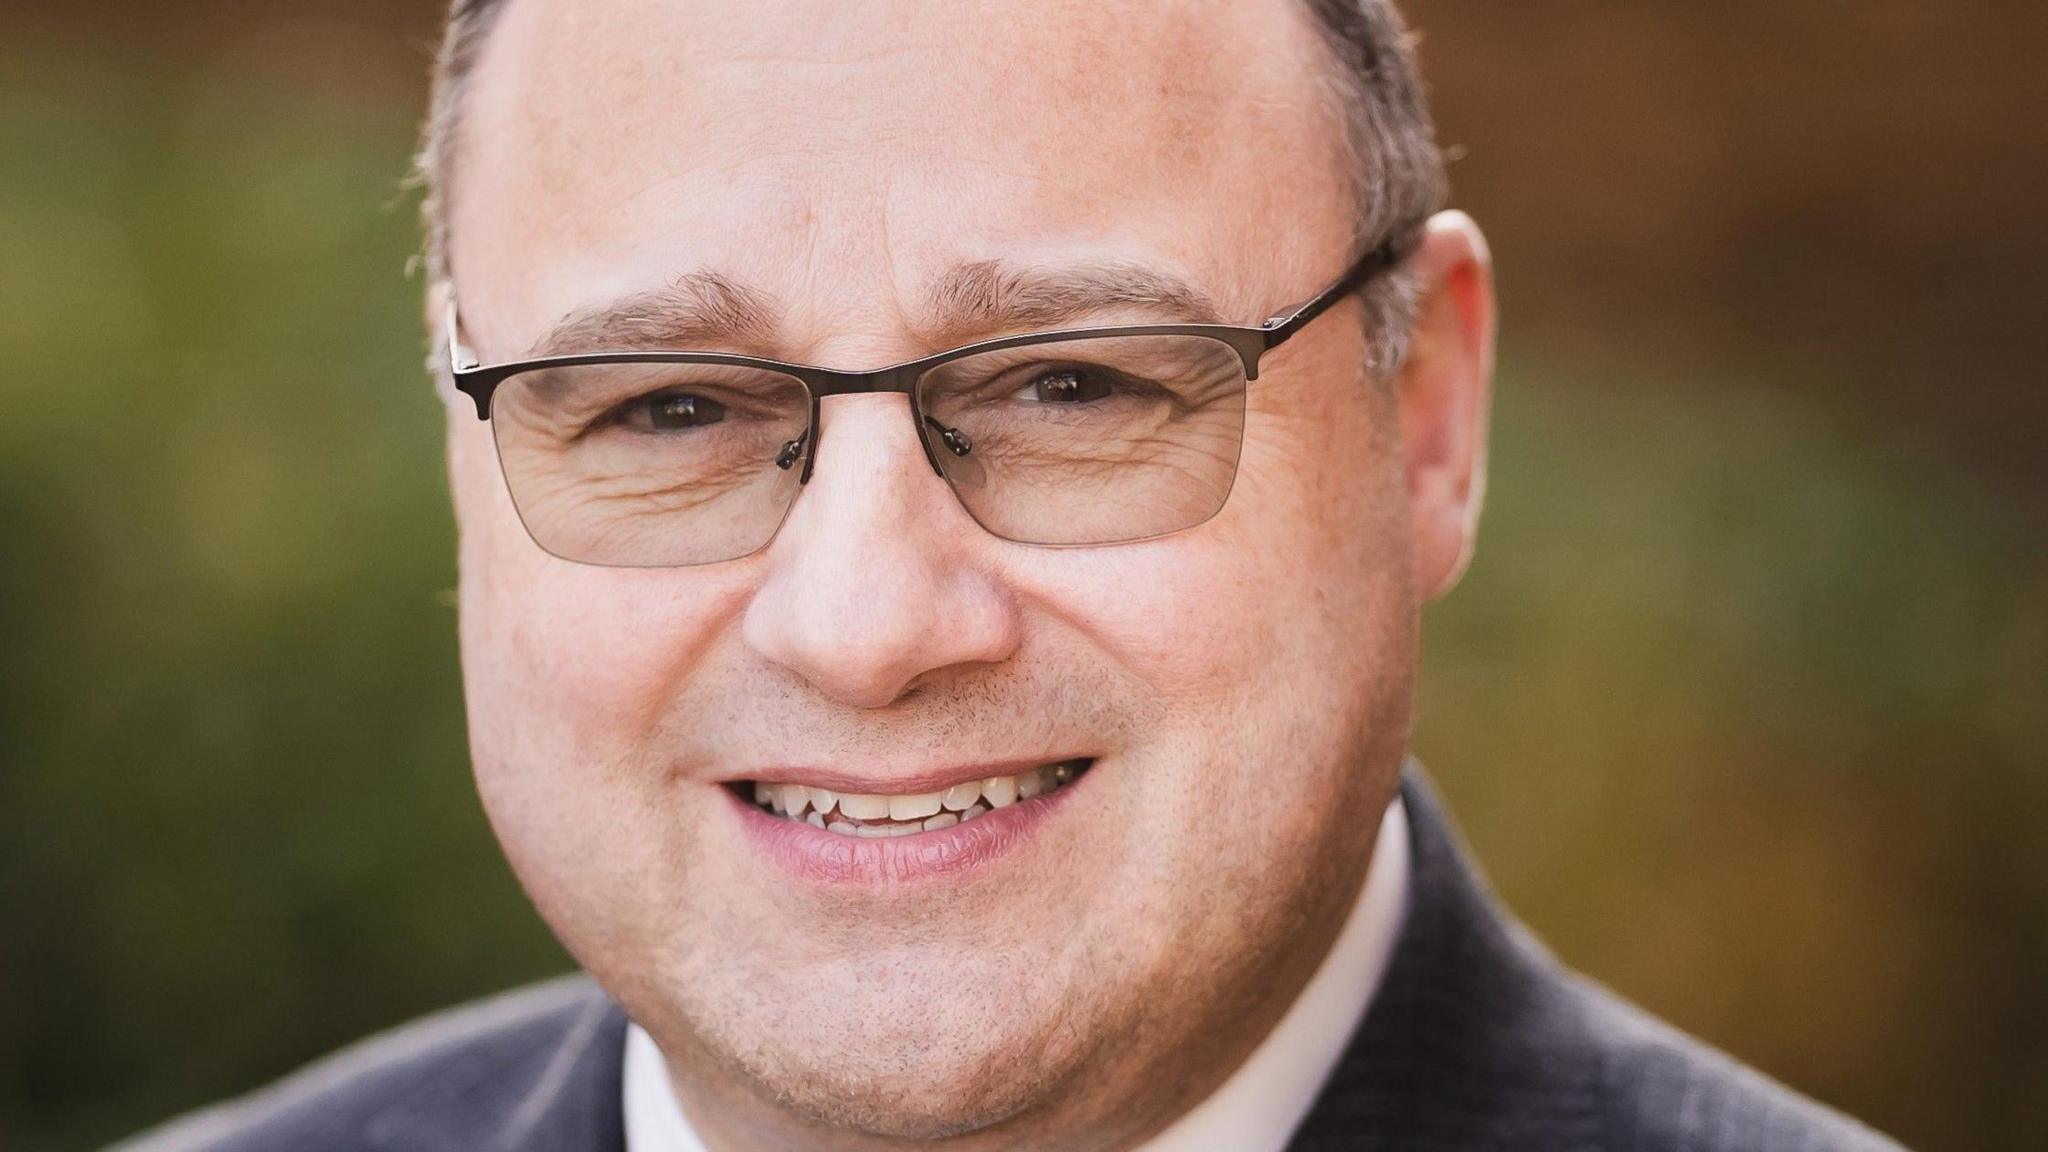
893,782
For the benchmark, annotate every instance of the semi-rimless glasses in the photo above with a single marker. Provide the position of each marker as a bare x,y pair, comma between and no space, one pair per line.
1082,436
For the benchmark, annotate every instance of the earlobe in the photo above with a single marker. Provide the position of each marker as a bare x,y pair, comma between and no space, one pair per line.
1445,396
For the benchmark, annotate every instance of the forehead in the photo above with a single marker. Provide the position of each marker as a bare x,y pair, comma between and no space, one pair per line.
813,146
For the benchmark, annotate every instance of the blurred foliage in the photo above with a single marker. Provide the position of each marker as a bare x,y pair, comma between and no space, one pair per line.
1746,717
238,825
1742,706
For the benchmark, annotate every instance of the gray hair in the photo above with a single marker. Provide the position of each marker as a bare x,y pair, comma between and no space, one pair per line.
1390,140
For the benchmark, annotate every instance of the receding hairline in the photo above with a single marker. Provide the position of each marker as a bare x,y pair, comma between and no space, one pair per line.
1393,162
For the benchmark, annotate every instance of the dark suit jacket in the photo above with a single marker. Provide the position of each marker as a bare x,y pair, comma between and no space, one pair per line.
1476,1040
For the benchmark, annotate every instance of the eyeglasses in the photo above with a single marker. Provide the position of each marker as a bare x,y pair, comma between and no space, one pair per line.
1078,437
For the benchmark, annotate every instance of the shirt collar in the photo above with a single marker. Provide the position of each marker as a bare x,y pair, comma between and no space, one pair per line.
1262,1103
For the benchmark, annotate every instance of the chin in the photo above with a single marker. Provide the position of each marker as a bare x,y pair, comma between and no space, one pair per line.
941,1067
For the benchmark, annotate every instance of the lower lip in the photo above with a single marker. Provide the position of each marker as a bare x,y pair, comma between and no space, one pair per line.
820,856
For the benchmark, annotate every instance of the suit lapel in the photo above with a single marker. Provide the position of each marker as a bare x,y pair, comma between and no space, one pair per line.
1467,1043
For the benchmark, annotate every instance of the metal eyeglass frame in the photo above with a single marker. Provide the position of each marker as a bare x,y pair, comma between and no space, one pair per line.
480,381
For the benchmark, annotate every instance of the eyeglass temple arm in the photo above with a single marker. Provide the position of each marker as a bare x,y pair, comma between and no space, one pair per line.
462,362
1373,264
460,359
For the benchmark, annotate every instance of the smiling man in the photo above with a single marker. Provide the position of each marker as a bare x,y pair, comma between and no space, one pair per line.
946,494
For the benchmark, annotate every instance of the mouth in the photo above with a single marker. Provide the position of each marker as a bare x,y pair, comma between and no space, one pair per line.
873,815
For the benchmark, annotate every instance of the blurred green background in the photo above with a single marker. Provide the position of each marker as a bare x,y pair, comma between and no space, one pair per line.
1744,703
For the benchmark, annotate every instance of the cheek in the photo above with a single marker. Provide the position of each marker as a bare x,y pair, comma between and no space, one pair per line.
1278,641
569,671
565,664
1275,637
1299,576
1324,499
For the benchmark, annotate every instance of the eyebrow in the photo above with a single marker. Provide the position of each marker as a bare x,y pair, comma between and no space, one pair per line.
700,309
979,298
988,296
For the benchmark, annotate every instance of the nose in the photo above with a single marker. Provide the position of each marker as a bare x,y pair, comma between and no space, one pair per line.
872,588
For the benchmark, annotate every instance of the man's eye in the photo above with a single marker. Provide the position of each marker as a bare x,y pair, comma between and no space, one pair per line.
1068,386
673,411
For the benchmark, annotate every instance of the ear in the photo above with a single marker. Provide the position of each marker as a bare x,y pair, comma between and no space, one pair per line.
434,305
1446,389
434,318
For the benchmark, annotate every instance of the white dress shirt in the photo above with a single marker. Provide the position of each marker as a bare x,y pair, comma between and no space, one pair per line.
1262,1103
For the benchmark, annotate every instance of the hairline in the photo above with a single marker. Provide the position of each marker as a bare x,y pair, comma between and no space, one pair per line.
1389,142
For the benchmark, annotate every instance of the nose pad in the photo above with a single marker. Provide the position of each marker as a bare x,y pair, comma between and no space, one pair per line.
954,459
954,439
792,451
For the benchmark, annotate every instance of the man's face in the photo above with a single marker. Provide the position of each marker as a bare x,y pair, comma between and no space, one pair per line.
1238,693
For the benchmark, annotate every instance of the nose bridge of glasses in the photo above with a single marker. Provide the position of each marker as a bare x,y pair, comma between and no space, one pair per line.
901,378
825,382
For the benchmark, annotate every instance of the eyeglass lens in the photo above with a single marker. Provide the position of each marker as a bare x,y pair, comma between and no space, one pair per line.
1086,441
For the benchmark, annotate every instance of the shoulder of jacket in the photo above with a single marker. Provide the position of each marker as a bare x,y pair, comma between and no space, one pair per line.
335,1103
1665,1091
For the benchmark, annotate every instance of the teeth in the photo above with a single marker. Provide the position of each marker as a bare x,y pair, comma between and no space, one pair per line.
874,817
792,799
1000,791
913,807
855,806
